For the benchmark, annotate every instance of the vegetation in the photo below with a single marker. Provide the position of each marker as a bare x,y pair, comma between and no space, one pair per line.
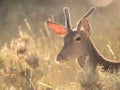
28,63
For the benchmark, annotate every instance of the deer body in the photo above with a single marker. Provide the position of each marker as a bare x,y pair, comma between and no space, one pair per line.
77,44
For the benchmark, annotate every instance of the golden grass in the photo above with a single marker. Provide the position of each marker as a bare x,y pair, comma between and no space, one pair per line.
28,63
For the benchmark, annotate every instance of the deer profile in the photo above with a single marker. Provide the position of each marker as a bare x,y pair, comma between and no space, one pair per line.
78,44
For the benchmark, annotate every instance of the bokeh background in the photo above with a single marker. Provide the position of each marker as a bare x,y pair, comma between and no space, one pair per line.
13,12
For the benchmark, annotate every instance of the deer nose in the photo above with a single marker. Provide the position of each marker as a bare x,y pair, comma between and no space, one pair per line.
59,57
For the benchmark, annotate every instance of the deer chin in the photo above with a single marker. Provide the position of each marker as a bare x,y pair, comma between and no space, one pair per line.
62,60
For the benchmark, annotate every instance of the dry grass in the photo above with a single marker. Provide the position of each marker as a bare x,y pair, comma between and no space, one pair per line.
28,63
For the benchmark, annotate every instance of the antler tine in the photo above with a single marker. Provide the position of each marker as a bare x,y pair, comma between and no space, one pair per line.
67,17
91,10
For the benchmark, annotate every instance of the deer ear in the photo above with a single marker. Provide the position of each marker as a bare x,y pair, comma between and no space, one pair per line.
58,29
85,26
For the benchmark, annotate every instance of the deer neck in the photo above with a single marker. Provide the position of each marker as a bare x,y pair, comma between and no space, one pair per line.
94,55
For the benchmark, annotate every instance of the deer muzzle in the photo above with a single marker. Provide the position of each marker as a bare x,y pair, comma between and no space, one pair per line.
61,58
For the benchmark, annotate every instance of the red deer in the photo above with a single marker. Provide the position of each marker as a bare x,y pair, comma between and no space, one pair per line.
78,44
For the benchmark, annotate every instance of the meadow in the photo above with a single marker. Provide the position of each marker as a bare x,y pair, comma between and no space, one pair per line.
29,63
28,48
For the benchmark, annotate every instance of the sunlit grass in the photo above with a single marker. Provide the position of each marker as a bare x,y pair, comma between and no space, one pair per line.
28,63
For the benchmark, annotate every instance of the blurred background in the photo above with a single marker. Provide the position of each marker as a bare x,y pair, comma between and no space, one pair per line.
13,12
28,48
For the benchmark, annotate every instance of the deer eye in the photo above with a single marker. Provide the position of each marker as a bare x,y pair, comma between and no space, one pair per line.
77,38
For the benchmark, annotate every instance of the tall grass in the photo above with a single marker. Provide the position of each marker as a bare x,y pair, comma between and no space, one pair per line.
28,63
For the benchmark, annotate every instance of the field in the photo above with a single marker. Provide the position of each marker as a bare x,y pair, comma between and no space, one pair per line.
28,59
28,63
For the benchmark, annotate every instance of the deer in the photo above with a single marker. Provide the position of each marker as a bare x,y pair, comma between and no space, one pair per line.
78,44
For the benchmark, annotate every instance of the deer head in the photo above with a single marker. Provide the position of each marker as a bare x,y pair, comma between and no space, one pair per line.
74,40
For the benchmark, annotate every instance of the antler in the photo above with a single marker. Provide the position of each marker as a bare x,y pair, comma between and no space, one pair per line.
67,17
91,10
